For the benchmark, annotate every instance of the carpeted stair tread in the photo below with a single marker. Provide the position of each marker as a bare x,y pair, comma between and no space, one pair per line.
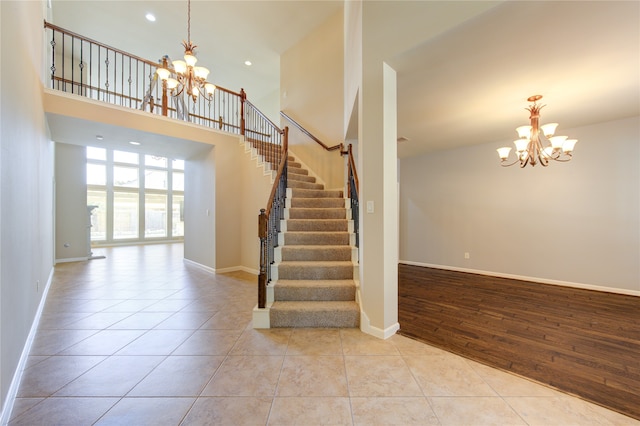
316,253
317,225
315,203
313,290
315,270
297,171
316,238
317,213
315,193
315,314
298,177
292,183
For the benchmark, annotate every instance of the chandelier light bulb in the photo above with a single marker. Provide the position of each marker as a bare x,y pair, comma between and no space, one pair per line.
568,145
190,59
549,129
504,152
557,141
524,132
521,144
201,72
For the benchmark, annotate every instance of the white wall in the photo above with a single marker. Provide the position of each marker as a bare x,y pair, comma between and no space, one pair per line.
576,223
26,183
72,218
199,209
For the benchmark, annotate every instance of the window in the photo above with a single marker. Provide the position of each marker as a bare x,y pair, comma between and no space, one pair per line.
137,197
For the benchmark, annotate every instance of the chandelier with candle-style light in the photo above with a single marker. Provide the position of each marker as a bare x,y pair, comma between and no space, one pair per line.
185,76
531,148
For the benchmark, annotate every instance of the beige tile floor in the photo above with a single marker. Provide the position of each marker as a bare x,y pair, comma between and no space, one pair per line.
141,338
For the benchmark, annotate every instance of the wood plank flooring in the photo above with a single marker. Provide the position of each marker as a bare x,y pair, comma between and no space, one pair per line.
583,342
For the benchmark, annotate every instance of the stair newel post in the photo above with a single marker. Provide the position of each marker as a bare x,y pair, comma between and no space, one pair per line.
243,98
165,98
262,277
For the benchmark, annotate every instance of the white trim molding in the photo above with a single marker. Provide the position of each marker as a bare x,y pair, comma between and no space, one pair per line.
7,407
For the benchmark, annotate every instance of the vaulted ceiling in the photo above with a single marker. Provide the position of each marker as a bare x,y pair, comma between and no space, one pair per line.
464,69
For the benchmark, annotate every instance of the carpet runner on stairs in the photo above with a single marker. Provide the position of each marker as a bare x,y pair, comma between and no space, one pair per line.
314,262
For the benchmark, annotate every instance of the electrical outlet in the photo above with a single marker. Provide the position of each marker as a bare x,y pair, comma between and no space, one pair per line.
466,255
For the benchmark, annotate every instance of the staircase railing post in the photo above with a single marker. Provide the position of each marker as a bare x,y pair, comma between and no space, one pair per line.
262,277
165,98
243,97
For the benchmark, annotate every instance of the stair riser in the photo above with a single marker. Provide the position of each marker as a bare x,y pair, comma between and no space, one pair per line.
296,171
304,319
304,185
300,178
318,225
317,203
299,213
310,239
314,193
288,272
320,254
314,294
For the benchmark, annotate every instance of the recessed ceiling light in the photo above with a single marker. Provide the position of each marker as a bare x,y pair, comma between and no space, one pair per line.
99,137
247,63
134,143
150,17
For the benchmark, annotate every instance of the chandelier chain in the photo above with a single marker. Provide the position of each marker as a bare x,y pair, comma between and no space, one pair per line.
189,21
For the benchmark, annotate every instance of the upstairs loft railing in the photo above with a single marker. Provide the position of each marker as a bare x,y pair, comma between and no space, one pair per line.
88,68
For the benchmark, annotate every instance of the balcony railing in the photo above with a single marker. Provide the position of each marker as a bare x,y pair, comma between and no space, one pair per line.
91,69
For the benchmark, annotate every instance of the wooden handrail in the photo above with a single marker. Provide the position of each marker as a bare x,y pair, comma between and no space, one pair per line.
283,162
71,33
352,166
312,137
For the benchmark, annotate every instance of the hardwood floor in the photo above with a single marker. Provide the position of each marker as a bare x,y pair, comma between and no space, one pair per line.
583,342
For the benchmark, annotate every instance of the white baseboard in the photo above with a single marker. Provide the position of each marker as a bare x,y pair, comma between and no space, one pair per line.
525,278
221,270
71,259
366,327
7,407
199,265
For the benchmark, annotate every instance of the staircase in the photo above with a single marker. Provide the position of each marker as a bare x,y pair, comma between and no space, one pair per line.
313,275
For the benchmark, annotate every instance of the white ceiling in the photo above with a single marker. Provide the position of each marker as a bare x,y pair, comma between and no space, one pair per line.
464,69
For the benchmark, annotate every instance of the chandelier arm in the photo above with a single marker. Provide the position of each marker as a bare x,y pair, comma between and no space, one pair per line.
502,163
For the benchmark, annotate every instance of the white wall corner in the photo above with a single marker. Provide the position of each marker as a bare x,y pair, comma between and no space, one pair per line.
366,327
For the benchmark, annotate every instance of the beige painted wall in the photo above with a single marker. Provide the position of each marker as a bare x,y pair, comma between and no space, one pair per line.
311,88
256,190
72,218
26,183
575,223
